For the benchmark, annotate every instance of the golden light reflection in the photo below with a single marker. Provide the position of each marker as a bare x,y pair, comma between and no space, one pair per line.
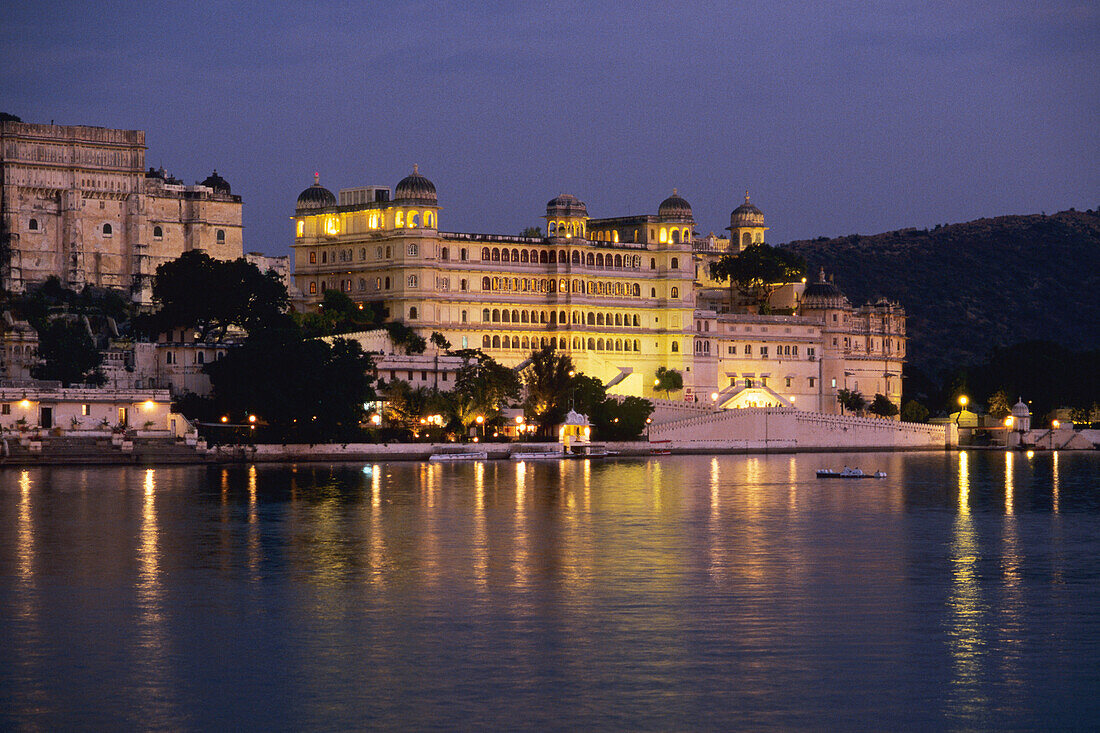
151,635
1055,483
966,609
26,529
1010,483
253,524
376,549
481,539
521,553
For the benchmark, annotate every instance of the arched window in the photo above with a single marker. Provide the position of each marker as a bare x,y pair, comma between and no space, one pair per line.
515,255
463,254
485,315
107,230
653,292
618,261
676,236
575,258
746,240
637,345
523,257
675,264
636,291
591,344
33,226
591,320
362,283
313,288
496,342
618,344
599,344
496,315
599,260
463,284
636,323
551,228
576,343
387,283
413,281
220,236
389,253
561,317
484,254
675,347
324,286
543,257
562,257
542,317
505,316
653,263
589,259
412,313
618,319
515,316
599,319
526,343
553,257
464,316
377,283
496,254
486,283
485,342
158,232
676,292
445,254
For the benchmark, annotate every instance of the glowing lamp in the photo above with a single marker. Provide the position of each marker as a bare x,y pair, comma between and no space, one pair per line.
519,419
149,404
714,396
479,419
1055,424
225,418
252,418
25,403
1009,420
963,401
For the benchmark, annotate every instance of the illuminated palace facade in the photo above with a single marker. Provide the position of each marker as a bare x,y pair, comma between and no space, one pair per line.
621,296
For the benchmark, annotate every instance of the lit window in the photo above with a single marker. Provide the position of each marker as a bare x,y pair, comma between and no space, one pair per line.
413,250
313,258
301,227
313,288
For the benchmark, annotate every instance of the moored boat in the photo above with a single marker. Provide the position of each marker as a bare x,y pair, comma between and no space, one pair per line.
848,473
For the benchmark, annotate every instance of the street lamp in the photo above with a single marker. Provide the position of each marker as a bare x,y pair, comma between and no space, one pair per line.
1055,424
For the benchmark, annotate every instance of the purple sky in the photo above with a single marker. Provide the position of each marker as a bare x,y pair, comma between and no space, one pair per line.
839,117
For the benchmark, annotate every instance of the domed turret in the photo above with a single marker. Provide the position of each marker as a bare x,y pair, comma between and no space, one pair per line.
566,205
823,294
746,215
675,208
415,187
566,216
316,196
216,182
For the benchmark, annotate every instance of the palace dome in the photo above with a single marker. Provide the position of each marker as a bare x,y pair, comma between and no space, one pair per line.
316,196
216,182
823,294
415,187
674,207
746,215
1020,409
566,204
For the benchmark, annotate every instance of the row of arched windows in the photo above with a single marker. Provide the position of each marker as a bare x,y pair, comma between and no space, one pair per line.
544,257
498,315
541,342
536,285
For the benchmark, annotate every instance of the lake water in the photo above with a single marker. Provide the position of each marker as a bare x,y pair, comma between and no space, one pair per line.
961,592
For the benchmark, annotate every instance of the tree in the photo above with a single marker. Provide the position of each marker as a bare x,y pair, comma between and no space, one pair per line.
913,411
668,380
304,389
621,419
532,232
232,293
482,387
998,405
406,338
882,406
440,341
549,381
851,400
757,270
68,354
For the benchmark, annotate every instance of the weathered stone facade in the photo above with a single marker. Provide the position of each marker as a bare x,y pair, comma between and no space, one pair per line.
76,202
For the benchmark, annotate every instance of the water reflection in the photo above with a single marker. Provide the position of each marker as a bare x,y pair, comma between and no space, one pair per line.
618,593
966,621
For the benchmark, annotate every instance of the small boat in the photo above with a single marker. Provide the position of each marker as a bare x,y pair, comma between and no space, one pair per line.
472,456
539,455
848,473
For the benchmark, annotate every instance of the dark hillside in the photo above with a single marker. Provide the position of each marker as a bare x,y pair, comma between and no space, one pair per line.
969,287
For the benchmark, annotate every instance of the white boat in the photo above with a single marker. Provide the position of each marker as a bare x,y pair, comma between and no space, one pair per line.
472,456
848,473
539,455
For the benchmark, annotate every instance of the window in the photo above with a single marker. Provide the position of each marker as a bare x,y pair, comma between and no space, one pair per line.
834,381
788,381
484,254
463,254
200,358
676,292
675,347
313,258
675,264
220,236
362,284
412,250
748,349
85,409
33,226
324,257
412,313
107,230
812,382
810,351
445,254
389,253
5,409
463,316
763,352
463,284
168,359
387,283
377,283
158,233
732,350
313,288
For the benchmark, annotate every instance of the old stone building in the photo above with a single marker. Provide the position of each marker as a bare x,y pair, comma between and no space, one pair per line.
76,202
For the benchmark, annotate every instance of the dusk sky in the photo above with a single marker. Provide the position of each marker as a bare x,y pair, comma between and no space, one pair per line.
838,117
